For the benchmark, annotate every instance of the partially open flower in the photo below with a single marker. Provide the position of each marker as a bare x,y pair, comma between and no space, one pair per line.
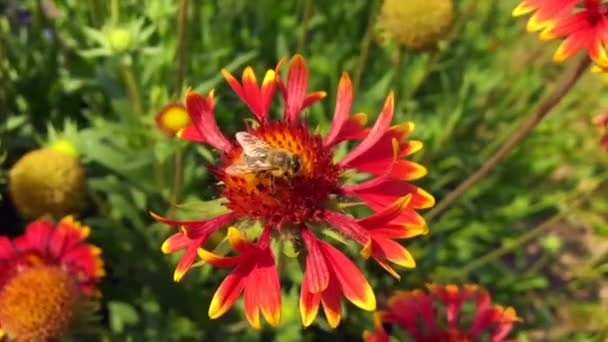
283,175
47,275
418,313
173,118
47,181
416,24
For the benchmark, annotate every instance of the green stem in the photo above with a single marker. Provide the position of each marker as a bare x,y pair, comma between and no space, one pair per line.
364,50
182,21
537,231
304,25
114,11
96,15
178,177
533,120
133,92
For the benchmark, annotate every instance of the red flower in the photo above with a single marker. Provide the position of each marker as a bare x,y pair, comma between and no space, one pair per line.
255,274
45,275
329,273
415,313
602,122
586,28
302,193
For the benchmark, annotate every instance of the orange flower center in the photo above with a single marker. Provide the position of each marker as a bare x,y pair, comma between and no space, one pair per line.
39,303
296,186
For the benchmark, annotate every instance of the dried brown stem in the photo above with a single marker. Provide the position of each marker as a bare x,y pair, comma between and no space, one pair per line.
533,120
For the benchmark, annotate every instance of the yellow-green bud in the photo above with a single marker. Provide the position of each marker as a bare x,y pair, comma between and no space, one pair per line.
416,24
46,181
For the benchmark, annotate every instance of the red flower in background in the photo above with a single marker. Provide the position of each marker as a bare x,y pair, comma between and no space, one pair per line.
602,122
582,27
46,275
418,315
284,176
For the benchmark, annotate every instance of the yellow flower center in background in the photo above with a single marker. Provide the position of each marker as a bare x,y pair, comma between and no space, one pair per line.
39,303
416,24
174,119
46,181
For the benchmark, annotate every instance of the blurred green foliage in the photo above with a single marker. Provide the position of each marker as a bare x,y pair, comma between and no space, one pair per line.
107,67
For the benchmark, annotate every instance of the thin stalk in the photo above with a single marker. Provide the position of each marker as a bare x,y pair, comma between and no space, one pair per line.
497,253
522,132
114,11
181,42
364,50
96,15
178,176
133,92
536,232
304,25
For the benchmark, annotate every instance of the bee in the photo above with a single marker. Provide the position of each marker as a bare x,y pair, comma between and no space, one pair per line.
259,157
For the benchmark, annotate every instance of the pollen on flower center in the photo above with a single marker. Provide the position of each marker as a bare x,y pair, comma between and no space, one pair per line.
39,303
283,198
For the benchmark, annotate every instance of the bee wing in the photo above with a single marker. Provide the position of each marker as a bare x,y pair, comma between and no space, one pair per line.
248,166
253,147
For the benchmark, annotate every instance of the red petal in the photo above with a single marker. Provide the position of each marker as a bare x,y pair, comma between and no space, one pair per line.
297,82
353,129
387,249
229,290
175,242
191,133
38,234
571,45
198,228
352,282
382,151
316,273
219,260
569,25
239,242
348,226
387,214
312,98
67,234
344,100
186,261
268,86
269,287
201,113
381,192
376,133
252,298
452,298
85,259
309,304
7,250
332,303
378,335
234,84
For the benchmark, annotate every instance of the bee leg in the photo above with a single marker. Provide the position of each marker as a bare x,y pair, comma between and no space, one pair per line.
273,189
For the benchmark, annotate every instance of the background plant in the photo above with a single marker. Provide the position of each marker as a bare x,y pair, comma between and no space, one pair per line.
531,231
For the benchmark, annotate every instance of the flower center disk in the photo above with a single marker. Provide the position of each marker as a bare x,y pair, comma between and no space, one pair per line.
280,195
39,303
